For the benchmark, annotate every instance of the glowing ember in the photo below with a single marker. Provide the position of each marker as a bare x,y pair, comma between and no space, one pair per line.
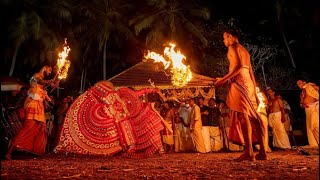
63,63
261,98
181,74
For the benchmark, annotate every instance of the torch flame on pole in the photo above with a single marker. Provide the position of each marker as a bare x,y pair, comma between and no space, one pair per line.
63,63
181,74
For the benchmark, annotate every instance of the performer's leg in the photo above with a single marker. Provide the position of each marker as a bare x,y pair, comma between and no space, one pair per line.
262,133
247,135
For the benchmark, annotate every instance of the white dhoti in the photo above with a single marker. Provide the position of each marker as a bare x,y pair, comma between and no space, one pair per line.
312,124
215,138
206,137
280,136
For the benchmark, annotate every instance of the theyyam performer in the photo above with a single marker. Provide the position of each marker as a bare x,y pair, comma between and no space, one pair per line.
105,121
32,136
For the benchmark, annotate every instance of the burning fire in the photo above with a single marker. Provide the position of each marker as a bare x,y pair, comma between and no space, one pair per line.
63,63
261,98
181,74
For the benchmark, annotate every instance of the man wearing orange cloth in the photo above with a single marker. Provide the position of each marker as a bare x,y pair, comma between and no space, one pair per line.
245,122
32,136
309,99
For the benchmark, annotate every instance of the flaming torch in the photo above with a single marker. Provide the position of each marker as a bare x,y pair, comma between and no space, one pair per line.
181,74
63,63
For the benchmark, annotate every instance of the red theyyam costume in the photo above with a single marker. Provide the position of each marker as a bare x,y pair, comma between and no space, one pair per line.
103,121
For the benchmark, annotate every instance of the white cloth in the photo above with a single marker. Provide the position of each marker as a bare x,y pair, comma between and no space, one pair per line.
215,138
312,123
206,137
280,136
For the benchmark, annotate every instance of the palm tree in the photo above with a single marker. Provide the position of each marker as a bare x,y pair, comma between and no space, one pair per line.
104,21
34,23
166,20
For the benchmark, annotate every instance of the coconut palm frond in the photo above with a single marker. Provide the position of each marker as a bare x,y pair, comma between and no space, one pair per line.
201,13
159,4
194,31
144,24
34,22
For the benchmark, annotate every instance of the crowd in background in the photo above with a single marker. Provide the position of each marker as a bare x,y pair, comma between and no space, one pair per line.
211,133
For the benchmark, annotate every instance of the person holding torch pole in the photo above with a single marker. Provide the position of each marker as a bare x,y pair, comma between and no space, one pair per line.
32,136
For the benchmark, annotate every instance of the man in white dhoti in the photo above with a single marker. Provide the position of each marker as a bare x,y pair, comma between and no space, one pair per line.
309,99
276,119
205,124
196,126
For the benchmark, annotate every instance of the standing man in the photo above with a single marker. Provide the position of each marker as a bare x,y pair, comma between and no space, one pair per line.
245,123
214,126
309,99
277,117
196,126
205,124
32,136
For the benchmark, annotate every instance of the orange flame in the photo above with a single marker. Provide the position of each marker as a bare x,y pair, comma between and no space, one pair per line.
63,63
261,98
181,74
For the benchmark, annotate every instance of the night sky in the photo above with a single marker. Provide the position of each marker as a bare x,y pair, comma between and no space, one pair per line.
300,23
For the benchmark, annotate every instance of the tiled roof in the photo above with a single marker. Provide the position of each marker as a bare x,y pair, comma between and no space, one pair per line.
140,75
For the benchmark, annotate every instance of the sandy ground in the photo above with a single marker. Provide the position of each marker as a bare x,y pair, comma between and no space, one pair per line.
282,165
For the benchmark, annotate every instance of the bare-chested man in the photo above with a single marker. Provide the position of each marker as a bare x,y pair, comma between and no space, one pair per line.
245,123
309,99
276,119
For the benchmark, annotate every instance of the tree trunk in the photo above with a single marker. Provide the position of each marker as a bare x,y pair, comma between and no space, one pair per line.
288,48
105,60
84,79
81,81
279,8
14,58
